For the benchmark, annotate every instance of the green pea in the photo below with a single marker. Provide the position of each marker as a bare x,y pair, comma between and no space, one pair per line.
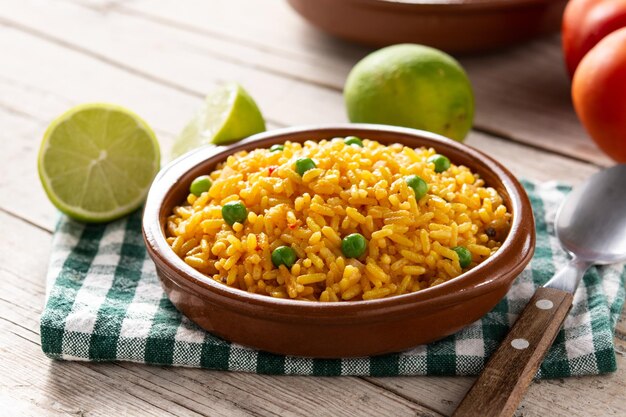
200,185
353,140
283,255
304,164
354,245
234,212
465,256
441,162
418,185
277,148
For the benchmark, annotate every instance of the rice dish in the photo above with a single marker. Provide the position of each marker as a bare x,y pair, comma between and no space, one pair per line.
343,219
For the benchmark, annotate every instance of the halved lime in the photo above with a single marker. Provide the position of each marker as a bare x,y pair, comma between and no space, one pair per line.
227,115
97,161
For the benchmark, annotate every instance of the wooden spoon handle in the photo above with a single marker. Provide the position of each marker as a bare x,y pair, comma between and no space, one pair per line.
500,387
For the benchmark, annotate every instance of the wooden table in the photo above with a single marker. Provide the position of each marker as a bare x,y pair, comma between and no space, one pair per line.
160,58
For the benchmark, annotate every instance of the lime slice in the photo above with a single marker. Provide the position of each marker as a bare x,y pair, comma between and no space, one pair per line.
227,115
97,161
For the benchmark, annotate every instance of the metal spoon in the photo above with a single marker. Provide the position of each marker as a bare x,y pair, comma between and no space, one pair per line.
591,226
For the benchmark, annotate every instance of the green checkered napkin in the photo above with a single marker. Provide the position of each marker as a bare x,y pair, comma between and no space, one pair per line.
105,303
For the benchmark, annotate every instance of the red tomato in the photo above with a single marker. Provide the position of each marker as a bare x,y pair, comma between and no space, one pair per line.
585,23
599,94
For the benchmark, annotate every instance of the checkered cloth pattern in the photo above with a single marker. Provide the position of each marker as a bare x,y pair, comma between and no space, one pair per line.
105,303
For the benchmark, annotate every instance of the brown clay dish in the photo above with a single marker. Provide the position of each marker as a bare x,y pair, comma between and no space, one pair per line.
457,26
342,329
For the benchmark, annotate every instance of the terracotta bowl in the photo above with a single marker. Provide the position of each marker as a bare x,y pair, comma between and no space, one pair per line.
342,329
458,26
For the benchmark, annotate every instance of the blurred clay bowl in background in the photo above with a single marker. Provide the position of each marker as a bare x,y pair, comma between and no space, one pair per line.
455,26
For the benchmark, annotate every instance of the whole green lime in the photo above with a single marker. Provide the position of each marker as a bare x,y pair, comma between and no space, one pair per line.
413,86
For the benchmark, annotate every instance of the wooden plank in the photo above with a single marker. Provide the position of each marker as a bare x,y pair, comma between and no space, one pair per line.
531,163
286,44
170,57
32,97
44,389
280,395
113,389
193,61
21,190
524,94
54,77
572,397
521,93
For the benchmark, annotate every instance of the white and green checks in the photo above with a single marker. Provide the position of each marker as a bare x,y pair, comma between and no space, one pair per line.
105,303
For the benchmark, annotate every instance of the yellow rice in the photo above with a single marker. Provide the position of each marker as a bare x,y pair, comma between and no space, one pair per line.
353,189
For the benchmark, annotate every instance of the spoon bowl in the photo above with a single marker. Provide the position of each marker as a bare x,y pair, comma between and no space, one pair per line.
591,222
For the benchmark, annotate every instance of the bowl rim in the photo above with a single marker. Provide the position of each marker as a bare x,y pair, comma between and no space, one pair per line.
520,239
448,6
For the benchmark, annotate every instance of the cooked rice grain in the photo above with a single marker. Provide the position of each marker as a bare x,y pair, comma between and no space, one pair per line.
352,190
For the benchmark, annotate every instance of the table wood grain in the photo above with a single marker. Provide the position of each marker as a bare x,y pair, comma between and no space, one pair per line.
160,58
